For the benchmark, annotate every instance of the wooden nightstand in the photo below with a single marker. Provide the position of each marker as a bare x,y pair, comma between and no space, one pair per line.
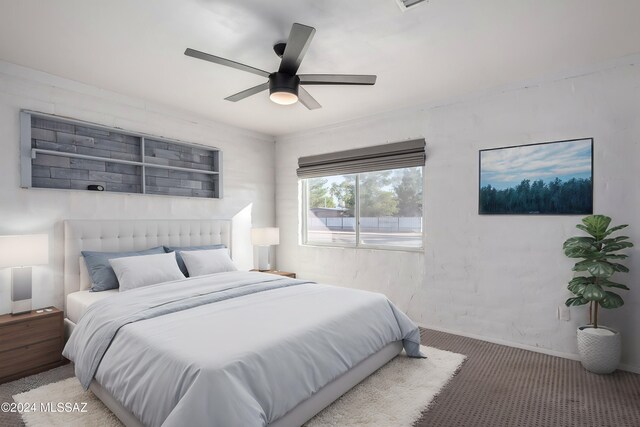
30,343
279,273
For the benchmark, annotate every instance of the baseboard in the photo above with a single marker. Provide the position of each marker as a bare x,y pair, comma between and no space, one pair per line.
571,356
629,368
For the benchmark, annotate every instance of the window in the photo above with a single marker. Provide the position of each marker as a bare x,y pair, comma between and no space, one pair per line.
366,197
380,209
331,210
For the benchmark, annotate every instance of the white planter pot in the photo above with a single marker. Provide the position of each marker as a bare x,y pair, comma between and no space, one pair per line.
599,349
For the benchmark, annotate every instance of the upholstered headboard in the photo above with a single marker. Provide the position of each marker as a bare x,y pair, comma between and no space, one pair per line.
131,235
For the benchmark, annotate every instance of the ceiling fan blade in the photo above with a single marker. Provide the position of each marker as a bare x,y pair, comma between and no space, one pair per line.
227,62
299,40
307,100
337,79
247,93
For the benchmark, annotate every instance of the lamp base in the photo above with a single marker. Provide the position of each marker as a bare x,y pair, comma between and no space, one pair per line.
21,307
20,290
263,258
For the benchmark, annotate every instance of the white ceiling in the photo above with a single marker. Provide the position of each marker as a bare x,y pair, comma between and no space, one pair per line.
433,52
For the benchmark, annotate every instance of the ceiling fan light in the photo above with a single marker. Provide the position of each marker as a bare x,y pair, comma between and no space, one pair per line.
283,98
283,88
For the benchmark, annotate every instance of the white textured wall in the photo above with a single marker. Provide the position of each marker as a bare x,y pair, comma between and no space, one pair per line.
497,277
248,171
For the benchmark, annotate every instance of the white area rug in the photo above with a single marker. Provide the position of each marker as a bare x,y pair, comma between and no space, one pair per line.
393,396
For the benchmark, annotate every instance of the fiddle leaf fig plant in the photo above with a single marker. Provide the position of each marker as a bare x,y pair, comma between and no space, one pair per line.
598,254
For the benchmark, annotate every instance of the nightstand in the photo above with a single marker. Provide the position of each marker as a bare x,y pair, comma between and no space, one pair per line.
30,343
279,273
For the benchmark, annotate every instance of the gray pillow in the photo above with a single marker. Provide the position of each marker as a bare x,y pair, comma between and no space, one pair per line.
179,259
102,275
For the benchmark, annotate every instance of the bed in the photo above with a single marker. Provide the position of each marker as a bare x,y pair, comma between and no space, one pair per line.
236,348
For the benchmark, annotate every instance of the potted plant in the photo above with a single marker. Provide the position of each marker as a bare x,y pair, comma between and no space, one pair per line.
599,346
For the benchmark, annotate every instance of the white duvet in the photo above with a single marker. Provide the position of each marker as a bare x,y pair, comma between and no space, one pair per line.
245,360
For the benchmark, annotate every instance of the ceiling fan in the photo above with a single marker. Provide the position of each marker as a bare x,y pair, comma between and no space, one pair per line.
284,85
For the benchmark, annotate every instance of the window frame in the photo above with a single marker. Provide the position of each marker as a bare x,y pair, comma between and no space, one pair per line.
358,244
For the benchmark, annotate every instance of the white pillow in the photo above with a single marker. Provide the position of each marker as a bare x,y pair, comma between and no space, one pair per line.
209,261
144,270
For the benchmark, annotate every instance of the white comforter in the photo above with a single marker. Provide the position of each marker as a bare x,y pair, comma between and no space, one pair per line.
245,360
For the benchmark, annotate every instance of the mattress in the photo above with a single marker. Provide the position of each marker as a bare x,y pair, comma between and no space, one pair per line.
78,302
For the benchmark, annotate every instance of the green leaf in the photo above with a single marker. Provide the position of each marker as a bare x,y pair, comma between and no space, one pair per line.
615,256
577,289
614,229
581,280
573,240
578,284
616,246
613,240
593,292
583,228
597,225
611,300
619,267
613,284
581,250
582,265
601,269
575,301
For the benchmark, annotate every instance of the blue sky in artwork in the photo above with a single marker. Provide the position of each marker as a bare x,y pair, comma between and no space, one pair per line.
507,167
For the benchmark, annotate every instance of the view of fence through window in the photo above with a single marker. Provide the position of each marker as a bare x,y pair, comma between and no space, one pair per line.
390,206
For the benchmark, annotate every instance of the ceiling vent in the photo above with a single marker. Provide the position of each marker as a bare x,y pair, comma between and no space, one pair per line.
409,4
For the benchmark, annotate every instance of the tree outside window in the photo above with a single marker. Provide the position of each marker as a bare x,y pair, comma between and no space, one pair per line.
390,209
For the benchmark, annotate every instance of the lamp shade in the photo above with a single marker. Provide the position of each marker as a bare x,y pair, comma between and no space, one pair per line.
265,236
24,250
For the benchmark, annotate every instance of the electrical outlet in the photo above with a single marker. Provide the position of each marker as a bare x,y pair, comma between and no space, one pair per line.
564,313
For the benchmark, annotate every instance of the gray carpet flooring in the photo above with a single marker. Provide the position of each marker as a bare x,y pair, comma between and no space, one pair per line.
506,386
496,386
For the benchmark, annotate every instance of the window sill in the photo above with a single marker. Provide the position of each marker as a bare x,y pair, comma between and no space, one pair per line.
365,247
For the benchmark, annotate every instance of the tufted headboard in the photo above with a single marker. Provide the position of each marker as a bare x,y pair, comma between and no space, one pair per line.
131,235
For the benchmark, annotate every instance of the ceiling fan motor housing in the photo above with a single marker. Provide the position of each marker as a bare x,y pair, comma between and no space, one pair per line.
279,49
281,82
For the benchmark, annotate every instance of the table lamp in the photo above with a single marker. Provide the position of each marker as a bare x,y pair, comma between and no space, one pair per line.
264,237
20,253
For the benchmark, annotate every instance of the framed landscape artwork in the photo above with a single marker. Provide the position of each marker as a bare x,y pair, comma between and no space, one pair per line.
551,178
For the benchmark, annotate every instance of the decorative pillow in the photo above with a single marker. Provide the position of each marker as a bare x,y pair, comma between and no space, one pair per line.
177,250
210,261
102,275
137,271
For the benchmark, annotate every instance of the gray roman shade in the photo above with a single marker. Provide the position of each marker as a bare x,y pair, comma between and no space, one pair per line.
397,155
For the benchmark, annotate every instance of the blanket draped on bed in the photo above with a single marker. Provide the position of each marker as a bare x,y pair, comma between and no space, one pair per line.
196,351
